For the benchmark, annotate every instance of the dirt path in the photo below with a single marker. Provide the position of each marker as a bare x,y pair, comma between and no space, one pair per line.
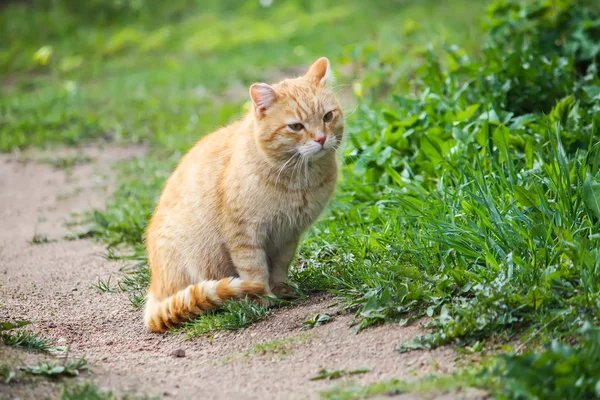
51,284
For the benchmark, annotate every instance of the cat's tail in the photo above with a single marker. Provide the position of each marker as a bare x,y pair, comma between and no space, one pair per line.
160,315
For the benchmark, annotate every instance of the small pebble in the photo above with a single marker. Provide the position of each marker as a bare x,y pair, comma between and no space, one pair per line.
179,353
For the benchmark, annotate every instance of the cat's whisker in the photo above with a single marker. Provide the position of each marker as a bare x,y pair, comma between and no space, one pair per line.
284,165
297,165
338,88
348,115
340,155
306,177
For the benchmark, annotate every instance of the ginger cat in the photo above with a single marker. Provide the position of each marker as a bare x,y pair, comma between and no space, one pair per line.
230,217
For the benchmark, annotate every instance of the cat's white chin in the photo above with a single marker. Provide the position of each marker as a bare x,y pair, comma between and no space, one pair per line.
320,153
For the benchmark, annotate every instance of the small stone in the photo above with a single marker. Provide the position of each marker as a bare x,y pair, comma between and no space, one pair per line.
51,325
179,353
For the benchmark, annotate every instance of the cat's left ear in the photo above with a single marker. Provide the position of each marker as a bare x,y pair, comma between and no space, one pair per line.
320,72
263,96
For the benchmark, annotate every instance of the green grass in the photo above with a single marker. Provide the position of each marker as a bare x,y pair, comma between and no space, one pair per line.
395,387
86,391
25,339
231,316
104,286
338,373
120,92
471,191
89,391
67,162
7,373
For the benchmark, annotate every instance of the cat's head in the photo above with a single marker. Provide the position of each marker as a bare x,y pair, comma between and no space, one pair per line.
298,117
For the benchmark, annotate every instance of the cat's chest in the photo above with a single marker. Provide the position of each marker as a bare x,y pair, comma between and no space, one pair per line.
290,214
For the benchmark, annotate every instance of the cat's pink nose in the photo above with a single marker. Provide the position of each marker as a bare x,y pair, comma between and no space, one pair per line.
321,140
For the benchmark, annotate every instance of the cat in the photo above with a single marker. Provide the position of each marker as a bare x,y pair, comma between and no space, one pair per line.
229,219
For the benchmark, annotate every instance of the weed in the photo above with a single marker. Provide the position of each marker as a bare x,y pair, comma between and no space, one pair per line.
317,320
55,370
7,326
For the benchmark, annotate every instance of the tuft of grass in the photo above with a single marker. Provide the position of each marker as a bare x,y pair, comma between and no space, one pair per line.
85,391
7,374
136,280
104,286
22,338
281,346
231,316
27,340
40,239
55,370
338,373
68,162
90,391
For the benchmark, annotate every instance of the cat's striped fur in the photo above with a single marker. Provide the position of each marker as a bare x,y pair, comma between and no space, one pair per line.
230,217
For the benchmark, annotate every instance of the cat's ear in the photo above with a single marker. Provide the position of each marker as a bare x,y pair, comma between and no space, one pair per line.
263,96
320,72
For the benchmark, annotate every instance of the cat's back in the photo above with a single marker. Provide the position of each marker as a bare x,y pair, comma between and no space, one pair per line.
193,182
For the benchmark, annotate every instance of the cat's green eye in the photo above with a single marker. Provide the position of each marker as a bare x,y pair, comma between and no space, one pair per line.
328,117
296,127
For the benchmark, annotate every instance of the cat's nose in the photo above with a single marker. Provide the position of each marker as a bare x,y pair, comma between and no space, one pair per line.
320,140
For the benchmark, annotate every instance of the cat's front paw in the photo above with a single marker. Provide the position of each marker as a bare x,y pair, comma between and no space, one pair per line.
282,289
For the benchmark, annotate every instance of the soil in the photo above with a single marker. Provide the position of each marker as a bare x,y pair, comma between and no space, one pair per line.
52,284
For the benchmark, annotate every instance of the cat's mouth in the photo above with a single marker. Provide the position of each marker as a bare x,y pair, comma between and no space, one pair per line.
316,150
318,153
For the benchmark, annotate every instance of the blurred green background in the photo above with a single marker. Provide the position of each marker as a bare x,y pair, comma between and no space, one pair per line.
166,72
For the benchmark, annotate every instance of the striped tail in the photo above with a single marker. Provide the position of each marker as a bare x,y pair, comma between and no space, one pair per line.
161,315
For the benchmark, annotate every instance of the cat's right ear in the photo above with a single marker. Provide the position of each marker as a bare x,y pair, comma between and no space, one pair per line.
263,96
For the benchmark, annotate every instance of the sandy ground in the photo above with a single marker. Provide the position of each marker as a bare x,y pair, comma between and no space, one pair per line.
51,284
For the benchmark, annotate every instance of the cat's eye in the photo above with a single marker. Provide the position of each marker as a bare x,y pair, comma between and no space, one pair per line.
328,116
296,127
